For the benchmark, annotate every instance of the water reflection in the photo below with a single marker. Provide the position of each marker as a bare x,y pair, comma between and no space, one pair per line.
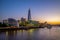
32,34
11,35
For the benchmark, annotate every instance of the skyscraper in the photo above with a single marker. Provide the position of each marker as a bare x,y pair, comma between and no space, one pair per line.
29,15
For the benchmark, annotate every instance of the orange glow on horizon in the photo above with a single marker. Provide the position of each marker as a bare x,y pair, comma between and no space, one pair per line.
54,22
51,20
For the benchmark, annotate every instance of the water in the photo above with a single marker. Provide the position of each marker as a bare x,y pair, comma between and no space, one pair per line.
32,34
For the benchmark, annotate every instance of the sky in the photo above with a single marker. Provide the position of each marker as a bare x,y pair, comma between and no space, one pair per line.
41,10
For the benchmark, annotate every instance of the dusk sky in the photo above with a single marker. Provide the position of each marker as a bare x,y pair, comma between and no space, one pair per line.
41,10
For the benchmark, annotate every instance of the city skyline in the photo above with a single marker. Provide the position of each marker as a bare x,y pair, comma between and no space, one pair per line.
40,10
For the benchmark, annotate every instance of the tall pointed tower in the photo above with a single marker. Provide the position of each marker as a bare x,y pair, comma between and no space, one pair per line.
29,15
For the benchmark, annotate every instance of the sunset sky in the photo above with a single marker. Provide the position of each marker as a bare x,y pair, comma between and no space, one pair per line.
41,10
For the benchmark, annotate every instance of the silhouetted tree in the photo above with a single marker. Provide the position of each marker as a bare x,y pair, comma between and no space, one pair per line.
1,24
5,25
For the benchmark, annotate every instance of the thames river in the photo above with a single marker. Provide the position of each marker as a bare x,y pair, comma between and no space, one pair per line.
32,34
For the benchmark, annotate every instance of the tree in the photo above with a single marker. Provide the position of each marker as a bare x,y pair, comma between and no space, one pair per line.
0,24
5,25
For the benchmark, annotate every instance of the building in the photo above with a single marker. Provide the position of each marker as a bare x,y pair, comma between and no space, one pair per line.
29,15
19,21
23,21
5,21
36,23
13,22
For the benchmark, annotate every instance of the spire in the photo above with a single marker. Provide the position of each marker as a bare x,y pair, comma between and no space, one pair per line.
29,15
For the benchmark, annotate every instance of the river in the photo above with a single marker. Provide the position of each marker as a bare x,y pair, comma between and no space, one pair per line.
32,34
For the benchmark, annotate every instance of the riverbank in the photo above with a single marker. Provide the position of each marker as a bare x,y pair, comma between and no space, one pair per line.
21,28
16,28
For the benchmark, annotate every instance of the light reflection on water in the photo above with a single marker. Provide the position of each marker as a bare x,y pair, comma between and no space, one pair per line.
32,34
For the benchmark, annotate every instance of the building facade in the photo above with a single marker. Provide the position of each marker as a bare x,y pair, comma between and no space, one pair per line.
5,21
29,15
13,22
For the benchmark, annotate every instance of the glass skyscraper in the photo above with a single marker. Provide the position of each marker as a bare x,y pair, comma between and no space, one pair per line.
29,15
